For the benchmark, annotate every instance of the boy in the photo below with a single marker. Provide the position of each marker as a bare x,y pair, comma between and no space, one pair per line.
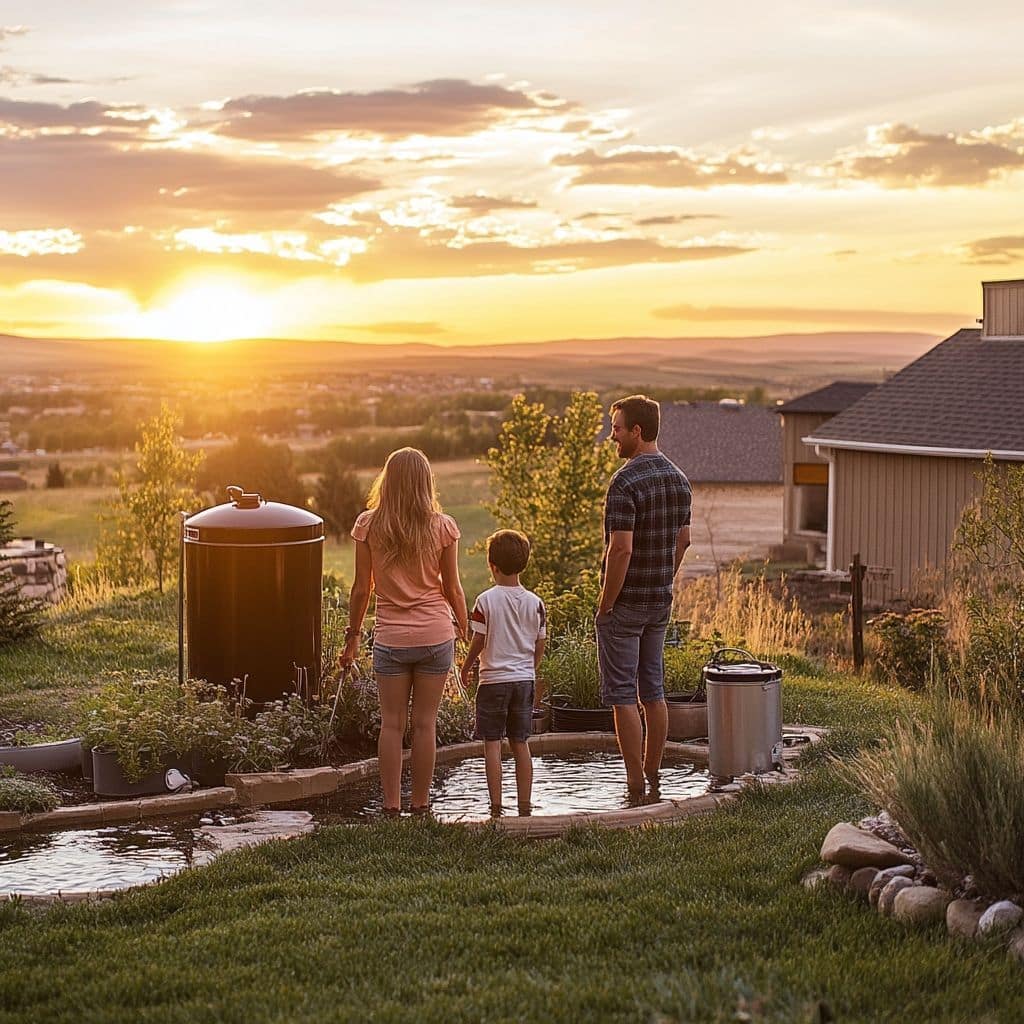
509,627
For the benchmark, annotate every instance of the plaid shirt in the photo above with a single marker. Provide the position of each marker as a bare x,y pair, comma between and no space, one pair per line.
650,497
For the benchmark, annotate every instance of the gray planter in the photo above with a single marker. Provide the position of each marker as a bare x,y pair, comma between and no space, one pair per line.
62,756
687,718
108,779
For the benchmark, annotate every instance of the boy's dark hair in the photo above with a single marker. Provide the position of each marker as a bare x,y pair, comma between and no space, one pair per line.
639,409
509,551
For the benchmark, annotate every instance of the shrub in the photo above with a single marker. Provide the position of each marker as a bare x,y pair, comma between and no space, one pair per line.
911,648
571,610
745,612
20,616
953,783
25,794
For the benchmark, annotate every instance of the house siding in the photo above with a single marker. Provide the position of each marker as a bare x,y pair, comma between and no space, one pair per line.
900,512
796,425
1003,309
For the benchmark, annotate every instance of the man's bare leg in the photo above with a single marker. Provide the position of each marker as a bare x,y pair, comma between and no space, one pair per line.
656,716
629,733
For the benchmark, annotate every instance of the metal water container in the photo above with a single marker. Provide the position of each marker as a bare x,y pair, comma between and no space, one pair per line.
744,714
253,585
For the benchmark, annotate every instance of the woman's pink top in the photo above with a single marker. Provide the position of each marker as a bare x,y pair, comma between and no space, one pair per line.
411,608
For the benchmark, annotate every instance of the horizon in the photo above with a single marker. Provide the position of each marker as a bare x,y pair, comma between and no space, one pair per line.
201,172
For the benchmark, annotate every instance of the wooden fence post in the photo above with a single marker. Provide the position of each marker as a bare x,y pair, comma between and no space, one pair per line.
857,572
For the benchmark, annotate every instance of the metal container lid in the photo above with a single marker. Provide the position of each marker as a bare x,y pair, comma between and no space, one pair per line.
248,519
749,670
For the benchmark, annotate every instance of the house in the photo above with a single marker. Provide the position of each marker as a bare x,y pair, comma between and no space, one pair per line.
732,455
12,482
804,471
903,459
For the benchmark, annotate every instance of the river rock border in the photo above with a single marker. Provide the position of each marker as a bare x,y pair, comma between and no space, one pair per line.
873,862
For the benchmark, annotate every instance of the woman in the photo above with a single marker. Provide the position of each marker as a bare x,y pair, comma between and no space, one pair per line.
406,551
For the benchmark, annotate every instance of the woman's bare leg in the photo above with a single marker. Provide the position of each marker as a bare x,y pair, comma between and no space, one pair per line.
427,690
394,709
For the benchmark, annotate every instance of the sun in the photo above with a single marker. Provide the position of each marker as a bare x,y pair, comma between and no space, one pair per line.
210,310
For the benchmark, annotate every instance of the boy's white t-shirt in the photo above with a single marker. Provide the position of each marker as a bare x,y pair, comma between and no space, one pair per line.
512,620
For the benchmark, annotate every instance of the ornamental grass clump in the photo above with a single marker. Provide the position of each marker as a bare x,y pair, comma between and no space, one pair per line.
953,782
25,794
570,670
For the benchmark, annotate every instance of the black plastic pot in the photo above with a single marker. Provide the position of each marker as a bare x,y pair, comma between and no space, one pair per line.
687,717
109,780
569,719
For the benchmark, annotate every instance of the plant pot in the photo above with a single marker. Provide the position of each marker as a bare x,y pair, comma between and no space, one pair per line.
62,756
109,780
570,719
541,720
208,771
687,718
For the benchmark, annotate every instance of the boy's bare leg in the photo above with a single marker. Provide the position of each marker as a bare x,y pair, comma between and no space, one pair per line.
656,715
629,733
492,765
524,772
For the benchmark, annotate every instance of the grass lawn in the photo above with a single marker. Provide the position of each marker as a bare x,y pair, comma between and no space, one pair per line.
700,921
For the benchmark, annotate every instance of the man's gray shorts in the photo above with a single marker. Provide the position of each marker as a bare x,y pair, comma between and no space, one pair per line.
631,653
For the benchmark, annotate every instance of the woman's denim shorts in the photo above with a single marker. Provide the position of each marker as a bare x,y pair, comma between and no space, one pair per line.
435,659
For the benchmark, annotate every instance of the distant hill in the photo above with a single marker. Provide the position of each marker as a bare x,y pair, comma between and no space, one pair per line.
786,363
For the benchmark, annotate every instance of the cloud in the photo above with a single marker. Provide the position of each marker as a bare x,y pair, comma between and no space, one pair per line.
17,77
409,327
801,314
999,250
40,242
901,156
674,218
666,167
34,116
408,253
92,181
9,31
443,107
480,202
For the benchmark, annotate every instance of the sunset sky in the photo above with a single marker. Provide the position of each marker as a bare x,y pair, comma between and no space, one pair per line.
459,173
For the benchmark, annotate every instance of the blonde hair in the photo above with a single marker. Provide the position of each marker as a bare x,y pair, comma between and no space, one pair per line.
405,508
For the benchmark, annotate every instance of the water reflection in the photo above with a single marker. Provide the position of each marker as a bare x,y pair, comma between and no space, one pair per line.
562,784
102,859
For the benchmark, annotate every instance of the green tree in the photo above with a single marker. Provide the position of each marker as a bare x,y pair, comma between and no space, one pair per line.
141,531
549,475
339,497
55,476
256,465
19,616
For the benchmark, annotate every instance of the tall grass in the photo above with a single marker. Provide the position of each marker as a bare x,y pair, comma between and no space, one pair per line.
747,612
953,781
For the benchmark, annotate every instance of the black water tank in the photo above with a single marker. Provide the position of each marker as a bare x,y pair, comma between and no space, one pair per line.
253,575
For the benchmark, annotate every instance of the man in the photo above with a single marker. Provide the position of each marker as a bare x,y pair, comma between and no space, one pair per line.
647,532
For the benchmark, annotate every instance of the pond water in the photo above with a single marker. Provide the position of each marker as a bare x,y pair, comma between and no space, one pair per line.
100,859
563,783
120,856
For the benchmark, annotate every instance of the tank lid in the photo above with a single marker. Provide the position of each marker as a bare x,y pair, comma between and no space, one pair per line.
746,670
248,519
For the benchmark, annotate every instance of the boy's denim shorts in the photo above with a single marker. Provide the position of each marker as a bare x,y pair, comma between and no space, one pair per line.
504,709
631,654
434,659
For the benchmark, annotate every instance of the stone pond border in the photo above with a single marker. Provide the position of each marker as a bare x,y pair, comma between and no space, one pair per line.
259,789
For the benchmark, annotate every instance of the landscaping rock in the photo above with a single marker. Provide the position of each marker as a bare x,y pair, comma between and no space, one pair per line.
962,918
999,918
887,897
848,845
259,828
840,876
882,878
920,904
861,880
1015,947
814,878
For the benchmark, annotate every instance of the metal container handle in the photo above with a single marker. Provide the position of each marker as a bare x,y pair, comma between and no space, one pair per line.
714,659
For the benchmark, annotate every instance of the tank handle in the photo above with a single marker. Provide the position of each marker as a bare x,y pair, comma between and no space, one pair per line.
244,499
715,659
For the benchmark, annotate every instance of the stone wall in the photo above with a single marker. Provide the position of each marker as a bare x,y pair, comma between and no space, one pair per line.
39,568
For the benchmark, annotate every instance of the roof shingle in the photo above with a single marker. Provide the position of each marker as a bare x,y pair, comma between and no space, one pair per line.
712,443
832,399
965,394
